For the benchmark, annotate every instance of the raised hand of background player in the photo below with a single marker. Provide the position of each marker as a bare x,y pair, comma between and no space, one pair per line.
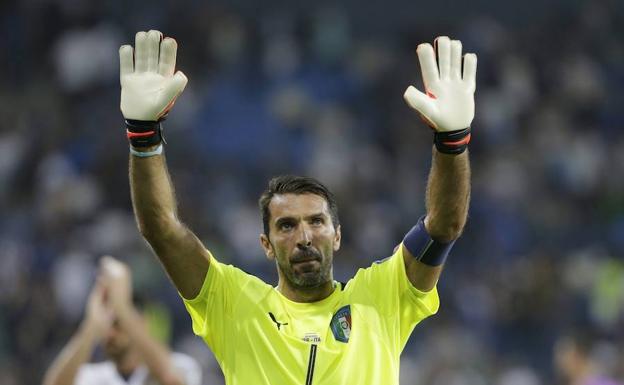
149,86
448,103
117,280
98,316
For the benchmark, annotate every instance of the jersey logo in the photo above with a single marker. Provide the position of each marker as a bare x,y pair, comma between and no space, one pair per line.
279,324
341,324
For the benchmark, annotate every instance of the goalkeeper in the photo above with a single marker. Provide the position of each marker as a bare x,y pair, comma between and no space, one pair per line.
309,329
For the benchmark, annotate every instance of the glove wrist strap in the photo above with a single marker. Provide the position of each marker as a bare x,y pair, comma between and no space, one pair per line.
142,133
452,142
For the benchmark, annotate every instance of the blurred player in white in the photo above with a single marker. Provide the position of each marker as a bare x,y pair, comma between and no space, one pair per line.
134,356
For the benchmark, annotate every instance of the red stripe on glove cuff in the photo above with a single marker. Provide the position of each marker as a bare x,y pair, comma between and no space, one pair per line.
139,134
465,140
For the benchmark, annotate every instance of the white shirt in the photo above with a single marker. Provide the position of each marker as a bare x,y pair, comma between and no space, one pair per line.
105,373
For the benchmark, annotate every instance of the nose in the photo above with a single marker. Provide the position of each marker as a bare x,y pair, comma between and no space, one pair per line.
304,241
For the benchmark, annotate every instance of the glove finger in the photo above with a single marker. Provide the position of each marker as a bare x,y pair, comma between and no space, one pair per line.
177,84
126,61
470,70
418,101
172,90
428,66
443,48
456,49
166,64
140,52
153,47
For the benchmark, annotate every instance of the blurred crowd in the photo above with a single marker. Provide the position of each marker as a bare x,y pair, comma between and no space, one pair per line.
319,92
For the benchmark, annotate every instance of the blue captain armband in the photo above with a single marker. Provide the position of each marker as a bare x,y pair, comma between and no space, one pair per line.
424,248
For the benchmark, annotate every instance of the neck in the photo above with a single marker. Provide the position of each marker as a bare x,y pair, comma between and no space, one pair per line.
306,295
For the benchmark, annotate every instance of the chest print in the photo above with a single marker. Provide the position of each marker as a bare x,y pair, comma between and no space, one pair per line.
341,324
312,337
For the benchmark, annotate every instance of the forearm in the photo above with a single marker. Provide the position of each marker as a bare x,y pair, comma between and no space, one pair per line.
448,195
153,197
156,356
77,352
179,250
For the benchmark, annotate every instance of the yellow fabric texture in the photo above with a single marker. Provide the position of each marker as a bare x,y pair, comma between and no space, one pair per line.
259,336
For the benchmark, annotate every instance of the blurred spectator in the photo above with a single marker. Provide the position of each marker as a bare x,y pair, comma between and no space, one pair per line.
577,363
134,356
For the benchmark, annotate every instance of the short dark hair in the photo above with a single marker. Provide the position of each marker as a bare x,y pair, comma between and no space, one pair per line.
293,184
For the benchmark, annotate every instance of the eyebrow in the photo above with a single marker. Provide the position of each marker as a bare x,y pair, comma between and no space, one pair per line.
281,220
284,219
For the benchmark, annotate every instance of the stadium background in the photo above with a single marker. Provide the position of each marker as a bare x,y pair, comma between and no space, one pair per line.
316,89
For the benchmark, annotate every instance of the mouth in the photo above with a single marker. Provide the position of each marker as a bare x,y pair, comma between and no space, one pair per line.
306,267
305,261
306,256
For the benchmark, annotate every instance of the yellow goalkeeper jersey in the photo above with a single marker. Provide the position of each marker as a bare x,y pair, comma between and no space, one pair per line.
354,336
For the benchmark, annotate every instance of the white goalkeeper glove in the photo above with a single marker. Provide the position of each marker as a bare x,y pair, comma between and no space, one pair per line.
448,104
149,87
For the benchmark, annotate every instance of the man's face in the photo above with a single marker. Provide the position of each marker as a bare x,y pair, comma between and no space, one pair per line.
116,342
302,239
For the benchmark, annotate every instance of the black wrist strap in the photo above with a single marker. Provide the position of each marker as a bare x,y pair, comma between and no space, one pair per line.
142,133
452,142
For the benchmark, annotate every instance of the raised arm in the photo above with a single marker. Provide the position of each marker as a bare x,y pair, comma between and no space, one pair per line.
117,279
149,89
97,322
448,108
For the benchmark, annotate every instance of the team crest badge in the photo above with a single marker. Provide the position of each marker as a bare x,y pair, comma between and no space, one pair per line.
341,324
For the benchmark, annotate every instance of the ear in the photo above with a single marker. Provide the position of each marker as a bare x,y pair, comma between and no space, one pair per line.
267,246
337,239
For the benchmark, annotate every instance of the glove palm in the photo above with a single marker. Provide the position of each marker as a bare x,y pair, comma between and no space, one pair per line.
149,87
448,104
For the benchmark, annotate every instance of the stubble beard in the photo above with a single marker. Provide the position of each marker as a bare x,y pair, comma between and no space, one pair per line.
307,280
